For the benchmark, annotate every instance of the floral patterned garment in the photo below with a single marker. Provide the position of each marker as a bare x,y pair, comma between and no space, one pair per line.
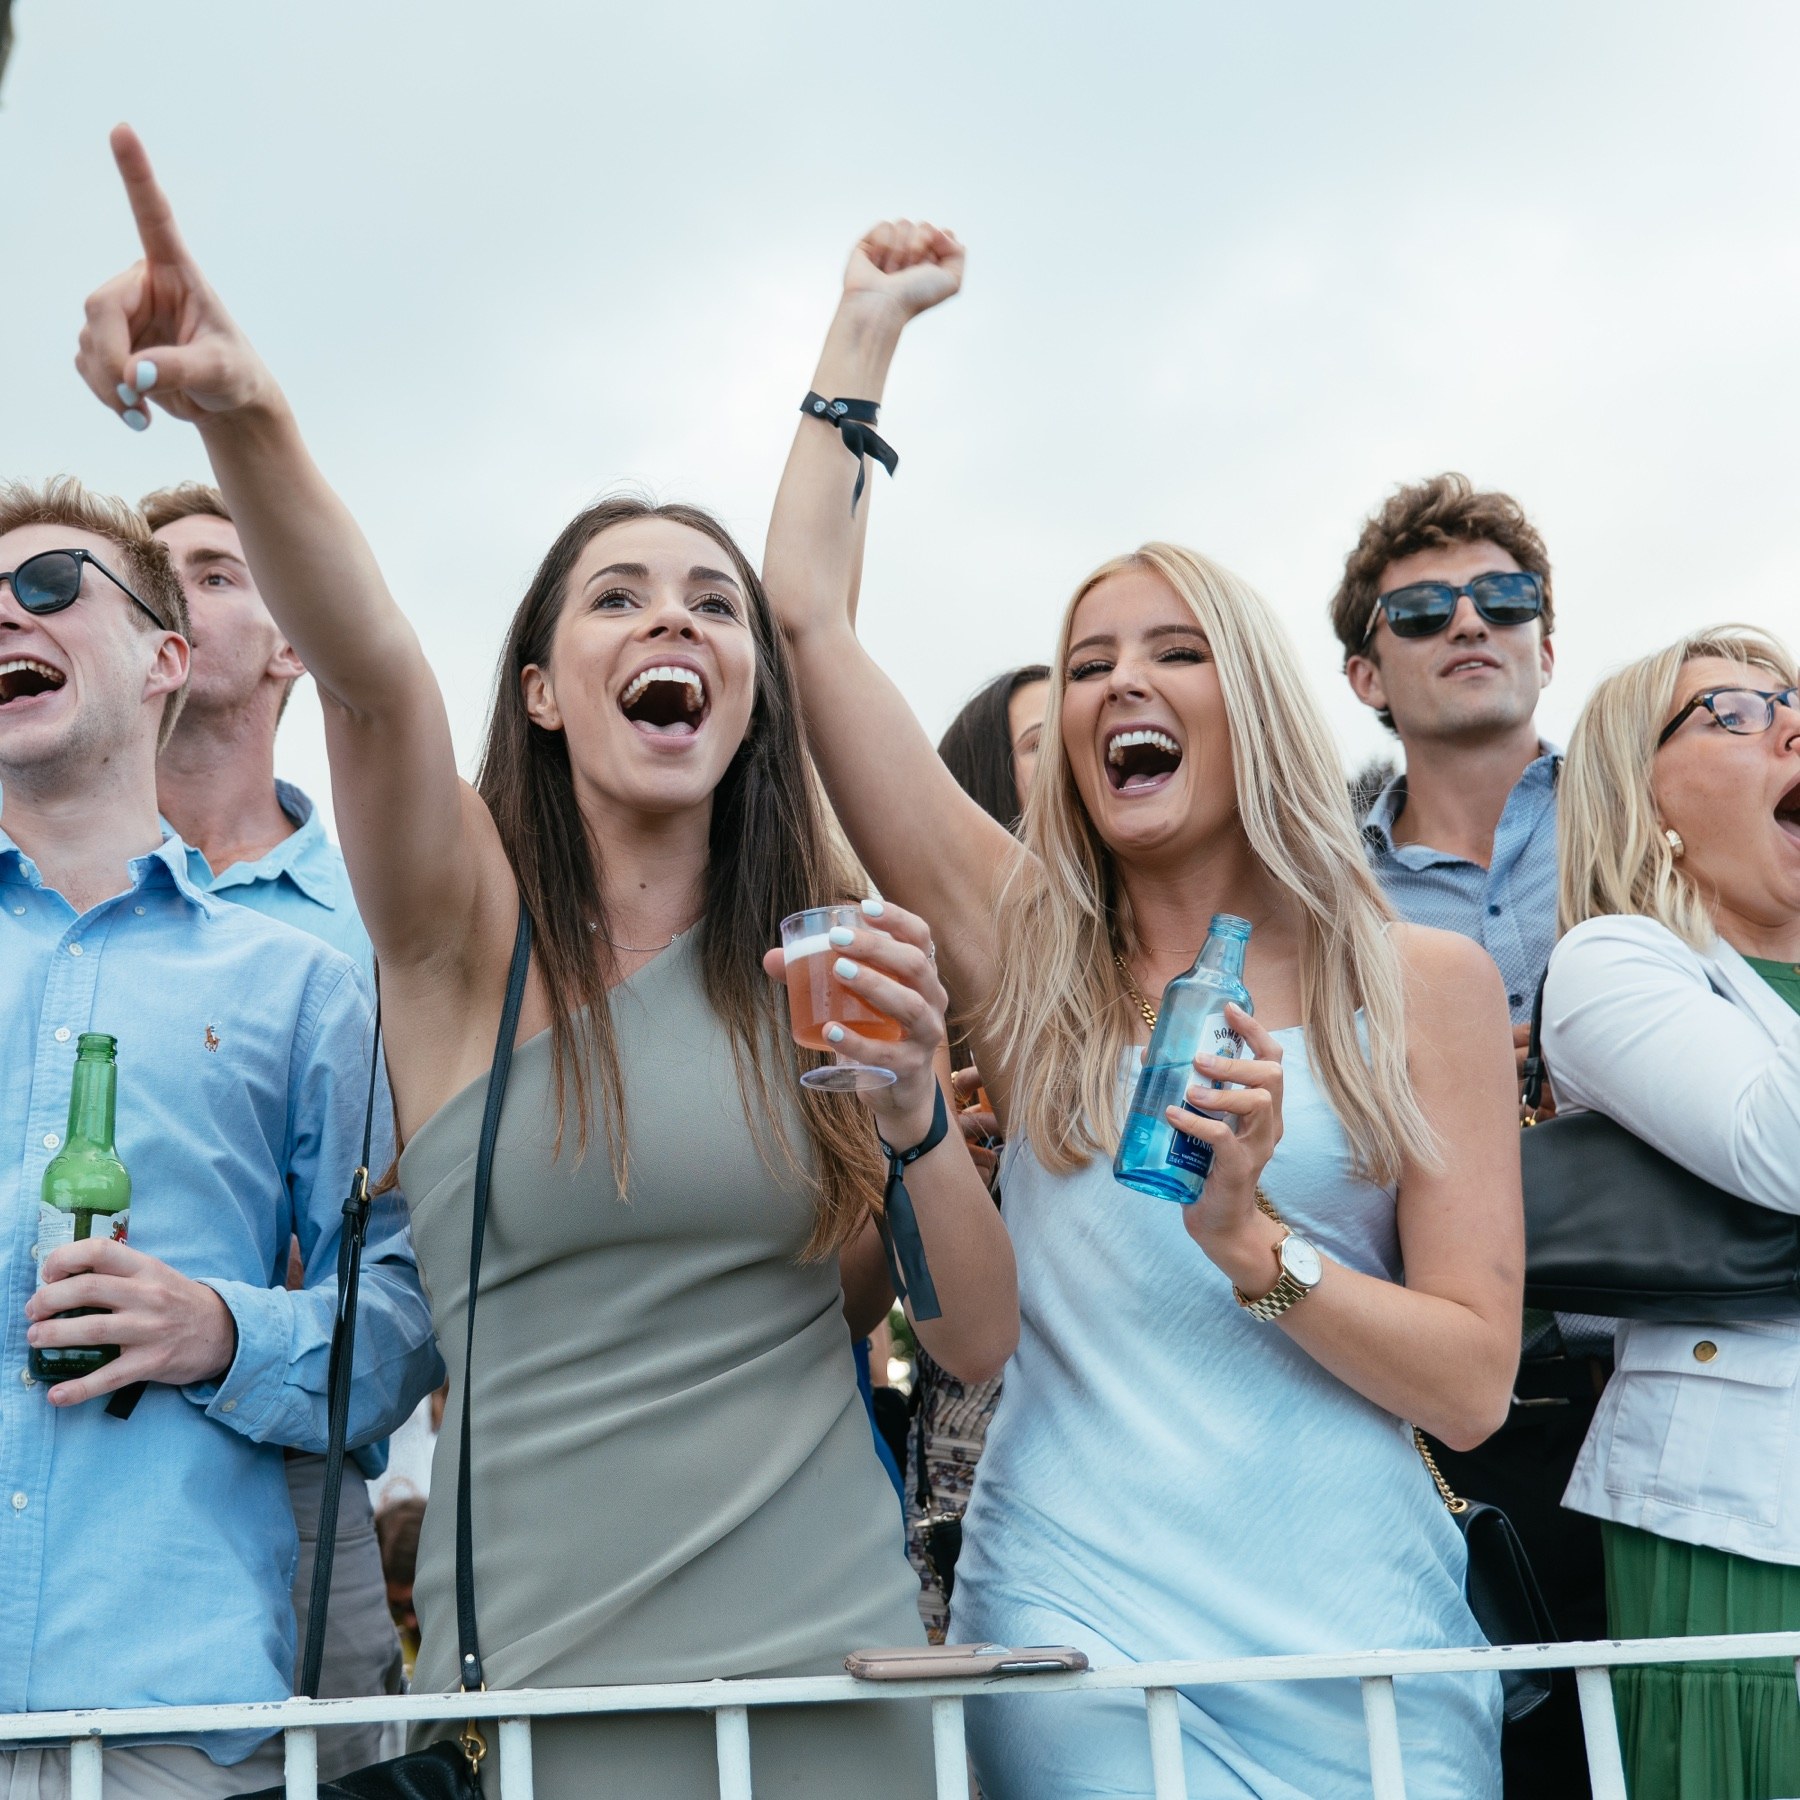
955,1417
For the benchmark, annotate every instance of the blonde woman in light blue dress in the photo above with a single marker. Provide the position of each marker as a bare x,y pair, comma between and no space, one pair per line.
1171,1474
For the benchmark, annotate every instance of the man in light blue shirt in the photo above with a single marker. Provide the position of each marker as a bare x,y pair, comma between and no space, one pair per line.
147,1558
260,842
1445,614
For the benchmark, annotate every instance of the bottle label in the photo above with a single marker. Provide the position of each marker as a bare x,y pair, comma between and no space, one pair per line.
1194,1154
56,1227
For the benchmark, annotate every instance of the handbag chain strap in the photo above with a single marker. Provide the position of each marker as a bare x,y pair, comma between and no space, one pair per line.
1453,1503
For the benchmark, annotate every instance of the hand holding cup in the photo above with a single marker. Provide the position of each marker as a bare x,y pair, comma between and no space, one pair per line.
876,963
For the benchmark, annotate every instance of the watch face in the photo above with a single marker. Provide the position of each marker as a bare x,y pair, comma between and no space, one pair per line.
1301,1260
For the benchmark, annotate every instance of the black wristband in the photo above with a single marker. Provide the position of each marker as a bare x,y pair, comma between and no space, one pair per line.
899,1224
855,424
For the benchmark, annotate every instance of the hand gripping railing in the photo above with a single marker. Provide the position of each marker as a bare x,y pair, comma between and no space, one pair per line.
732,1702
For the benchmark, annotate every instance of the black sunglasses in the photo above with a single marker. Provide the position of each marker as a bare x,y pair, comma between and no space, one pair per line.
1512,598
1744,712
51,580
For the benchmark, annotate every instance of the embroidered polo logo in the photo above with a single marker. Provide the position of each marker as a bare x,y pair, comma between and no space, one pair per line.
212,1039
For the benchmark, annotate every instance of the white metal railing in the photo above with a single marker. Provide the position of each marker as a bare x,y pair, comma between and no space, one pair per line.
732,1702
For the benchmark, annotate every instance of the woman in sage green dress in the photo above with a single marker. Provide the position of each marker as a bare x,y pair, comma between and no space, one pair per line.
1671,1006
673,1477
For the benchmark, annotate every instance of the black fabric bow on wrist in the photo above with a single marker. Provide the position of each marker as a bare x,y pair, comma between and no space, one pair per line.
899,1224
855,422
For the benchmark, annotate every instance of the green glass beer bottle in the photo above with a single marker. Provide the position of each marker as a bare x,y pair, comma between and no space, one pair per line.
86,1192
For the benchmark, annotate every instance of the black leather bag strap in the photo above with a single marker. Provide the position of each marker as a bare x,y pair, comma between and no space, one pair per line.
343,1357
468,1644
1534,1071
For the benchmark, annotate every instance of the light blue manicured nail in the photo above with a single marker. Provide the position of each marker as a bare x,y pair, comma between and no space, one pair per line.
873,907
841,935
834,1034
146,376
844,969
135,419
127,393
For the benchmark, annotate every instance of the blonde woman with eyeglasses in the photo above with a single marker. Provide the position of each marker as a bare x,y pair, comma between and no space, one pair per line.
1671,1007
1170,1473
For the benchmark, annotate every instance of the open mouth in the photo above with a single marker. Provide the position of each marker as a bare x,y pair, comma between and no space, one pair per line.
23,679
666,701
1787,812
1141,759
1470,665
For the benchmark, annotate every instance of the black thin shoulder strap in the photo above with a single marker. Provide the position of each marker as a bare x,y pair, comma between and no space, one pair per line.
343,1356
1534,1051
468,1645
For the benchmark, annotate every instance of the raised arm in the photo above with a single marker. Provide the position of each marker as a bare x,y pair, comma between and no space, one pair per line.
418,844
920,836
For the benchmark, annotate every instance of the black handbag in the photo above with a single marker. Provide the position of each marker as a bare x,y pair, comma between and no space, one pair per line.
444,1770
1501,1588
1615,1228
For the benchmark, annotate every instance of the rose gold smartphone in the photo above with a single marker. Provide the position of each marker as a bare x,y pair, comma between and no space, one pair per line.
921,1662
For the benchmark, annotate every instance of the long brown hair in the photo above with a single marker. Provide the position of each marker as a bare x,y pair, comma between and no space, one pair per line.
768,856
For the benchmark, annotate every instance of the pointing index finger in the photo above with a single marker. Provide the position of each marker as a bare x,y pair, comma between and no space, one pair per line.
150,208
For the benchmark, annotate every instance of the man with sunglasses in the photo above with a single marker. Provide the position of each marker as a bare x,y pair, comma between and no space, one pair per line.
1445,615
150,1542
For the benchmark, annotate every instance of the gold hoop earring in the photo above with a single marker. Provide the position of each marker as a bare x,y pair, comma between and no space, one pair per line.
1677,848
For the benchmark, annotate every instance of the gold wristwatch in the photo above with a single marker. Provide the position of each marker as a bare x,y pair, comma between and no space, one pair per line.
1301,1269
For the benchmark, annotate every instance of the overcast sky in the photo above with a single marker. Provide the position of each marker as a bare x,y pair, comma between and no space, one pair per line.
1233,273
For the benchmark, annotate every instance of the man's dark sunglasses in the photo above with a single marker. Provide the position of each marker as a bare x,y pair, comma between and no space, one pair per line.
1744,712
51,580
1512,598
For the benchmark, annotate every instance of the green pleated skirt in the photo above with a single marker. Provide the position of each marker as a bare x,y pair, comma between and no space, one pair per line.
1703,1731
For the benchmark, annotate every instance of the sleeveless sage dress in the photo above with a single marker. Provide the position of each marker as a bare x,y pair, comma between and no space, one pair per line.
673,1473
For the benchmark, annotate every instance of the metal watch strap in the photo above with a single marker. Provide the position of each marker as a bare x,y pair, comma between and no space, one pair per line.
1288,1288
1277,1300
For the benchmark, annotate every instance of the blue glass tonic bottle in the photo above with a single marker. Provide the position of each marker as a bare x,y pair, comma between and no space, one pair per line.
1153,1156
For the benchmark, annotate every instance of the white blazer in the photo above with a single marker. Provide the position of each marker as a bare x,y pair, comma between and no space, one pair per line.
1696,1437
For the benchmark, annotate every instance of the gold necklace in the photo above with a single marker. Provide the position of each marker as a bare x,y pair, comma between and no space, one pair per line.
1137,993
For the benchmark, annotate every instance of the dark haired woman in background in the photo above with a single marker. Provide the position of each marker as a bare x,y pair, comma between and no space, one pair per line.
992,744
673,1477
991,748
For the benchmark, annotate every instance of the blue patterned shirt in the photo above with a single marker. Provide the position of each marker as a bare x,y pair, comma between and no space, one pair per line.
149,1559
1508,908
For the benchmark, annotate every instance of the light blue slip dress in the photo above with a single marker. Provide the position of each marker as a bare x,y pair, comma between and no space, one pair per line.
1168,1477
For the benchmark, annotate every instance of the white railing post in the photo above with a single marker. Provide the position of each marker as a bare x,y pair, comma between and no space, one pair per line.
1386,1777
84,1768
732,1725
506,1718
1168,1767
1600,1727
516,1775
302,1762
949,1753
